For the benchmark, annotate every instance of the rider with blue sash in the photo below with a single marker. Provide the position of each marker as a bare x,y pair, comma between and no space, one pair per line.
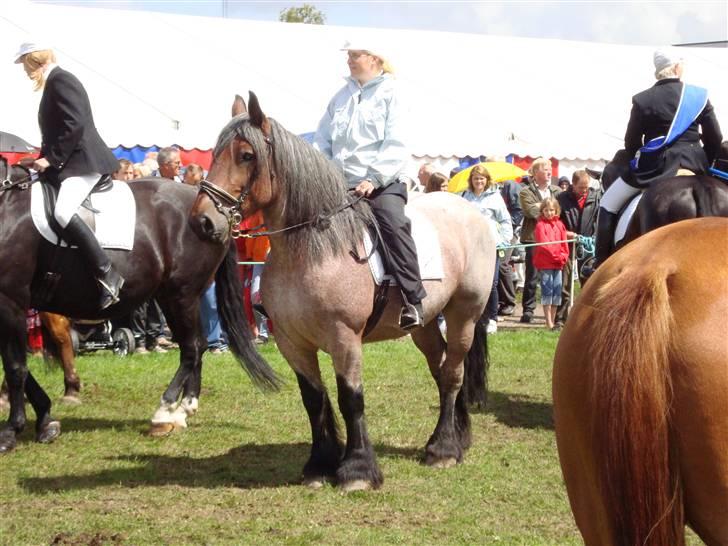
663,138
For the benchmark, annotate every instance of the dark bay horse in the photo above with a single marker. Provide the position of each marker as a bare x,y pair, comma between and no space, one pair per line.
168,261
670,200
640,390
320,296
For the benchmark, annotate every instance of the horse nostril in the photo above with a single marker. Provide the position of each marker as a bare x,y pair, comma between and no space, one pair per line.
207,225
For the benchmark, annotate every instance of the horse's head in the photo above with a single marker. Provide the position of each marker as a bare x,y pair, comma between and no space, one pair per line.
241,177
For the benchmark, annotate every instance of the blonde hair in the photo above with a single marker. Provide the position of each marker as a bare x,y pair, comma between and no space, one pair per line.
668,72
141,170
538,163
34,64
482,170
550,202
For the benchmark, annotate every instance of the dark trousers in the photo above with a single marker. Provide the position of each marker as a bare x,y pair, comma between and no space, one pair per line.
491,308
506,283
147,323
530,282
388,208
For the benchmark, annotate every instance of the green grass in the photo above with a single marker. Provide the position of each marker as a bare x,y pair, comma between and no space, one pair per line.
233,477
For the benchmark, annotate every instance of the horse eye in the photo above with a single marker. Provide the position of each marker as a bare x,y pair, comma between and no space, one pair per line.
246,156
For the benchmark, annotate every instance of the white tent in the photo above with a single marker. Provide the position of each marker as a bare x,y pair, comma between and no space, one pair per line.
161,79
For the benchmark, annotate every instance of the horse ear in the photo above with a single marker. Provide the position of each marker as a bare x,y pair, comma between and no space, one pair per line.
257,117
239,106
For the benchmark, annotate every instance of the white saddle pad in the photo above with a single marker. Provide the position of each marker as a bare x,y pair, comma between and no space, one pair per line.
114,223
429,254
625,218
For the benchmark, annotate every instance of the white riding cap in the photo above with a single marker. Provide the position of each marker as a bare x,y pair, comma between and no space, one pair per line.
362,45
29,47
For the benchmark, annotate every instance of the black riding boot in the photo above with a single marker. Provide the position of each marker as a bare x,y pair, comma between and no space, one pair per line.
79,234
606,225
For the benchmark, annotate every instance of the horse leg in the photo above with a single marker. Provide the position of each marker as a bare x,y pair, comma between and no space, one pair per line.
184,321
20,381
59,327
325,456
451,438
359,469
429,341
4,403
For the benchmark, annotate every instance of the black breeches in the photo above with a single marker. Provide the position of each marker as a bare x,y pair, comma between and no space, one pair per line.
388,208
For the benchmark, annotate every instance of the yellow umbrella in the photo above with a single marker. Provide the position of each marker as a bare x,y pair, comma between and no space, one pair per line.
499,171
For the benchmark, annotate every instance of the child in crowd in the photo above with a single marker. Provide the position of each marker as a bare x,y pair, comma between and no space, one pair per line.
550,259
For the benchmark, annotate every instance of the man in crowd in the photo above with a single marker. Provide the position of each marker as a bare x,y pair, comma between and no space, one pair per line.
533,192
169,163
579,207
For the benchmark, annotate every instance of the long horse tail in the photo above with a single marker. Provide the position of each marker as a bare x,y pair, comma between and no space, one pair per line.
230,306
477,362
632,391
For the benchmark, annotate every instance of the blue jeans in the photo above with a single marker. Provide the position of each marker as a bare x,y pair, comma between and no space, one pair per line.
211,328
550,286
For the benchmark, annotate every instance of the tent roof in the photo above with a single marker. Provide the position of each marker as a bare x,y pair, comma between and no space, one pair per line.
166,79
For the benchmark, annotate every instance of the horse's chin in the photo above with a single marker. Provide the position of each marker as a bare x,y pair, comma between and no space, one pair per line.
213,228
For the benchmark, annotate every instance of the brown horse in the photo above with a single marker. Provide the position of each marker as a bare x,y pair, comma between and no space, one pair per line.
640,388
320,296
59,347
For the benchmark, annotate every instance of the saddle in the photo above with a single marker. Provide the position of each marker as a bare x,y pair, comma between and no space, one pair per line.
109,211
86,212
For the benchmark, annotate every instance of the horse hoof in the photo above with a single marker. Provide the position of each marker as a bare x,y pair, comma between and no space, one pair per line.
447,462
356,485
7,440
49,433
157,430
315,482
70,400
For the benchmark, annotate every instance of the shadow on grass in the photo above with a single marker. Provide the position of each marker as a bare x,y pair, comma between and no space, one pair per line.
250,466
85,424
519,411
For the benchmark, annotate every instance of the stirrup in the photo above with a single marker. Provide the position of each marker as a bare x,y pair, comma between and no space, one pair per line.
110,288
411,316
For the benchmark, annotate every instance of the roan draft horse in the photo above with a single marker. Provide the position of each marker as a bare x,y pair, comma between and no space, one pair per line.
639,387
168,262
320,296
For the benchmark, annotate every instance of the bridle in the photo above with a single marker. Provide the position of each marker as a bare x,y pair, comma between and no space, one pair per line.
227,204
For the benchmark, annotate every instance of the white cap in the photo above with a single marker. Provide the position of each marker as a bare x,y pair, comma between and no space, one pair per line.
360,45
664,58
29,47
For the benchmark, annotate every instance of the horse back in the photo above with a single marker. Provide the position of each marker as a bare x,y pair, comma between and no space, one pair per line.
679,198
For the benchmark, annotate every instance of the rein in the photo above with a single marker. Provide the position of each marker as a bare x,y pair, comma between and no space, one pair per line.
322,221
22,183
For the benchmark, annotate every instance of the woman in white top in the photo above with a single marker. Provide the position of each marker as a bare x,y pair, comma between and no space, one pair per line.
361,131
484,194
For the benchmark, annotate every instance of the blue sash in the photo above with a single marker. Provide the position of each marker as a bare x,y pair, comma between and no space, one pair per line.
692,101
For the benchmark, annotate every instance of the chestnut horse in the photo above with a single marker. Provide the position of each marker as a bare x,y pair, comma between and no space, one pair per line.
640,389
58,346
168,261
319,295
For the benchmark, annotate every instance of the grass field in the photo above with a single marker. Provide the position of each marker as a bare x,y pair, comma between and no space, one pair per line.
233,476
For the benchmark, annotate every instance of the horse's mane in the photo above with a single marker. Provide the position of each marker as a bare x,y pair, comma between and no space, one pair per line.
311,185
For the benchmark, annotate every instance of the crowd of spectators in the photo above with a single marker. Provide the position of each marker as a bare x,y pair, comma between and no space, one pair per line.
525,216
